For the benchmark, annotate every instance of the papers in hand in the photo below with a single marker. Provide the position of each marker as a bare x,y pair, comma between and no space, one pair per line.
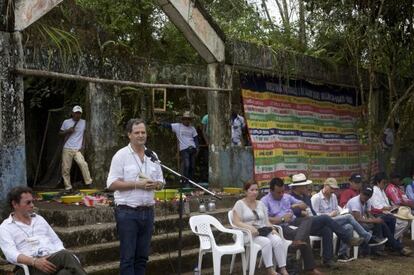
344,211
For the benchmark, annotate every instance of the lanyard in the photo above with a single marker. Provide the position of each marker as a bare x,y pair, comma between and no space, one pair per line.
21,229
136,161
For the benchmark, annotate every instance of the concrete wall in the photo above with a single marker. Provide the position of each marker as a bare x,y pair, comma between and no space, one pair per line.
236,166
12,148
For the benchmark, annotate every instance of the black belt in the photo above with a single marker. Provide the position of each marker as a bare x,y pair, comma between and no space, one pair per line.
137,208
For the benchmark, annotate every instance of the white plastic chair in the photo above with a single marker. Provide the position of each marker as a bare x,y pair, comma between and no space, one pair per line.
412,230
201,226
25,268
252,249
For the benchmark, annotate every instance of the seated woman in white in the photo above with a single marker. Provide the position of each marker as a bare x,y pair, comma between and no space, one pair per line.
251,214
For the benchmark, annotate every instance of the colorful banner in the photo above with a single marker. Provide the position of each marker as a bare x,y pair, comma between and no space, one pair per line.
302,128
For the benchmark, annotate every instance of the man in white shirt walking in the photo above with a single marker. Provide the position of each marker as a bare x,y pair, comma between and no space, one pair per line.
26,238
237,126
134,177
73,129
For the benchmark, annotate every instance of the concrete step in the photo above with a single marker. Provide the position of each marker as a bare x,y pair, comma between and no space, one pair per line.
87,234
74,236
165,263
169,242
62,215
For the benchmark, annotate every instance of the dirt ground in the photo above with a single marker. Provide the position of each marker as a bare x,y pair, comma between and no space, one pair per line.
386,265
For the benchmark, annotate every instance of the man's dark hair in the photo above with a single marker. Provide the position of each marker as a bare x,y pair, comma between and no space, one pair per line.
16,194
379,177
276,182
132,122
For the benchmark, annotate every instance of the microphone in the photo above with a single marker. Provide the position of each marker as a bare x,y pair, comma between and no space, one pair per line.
151,155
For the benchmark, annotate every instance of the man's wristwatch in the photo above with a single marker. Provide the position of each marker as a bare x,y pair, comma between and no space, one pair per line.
283,219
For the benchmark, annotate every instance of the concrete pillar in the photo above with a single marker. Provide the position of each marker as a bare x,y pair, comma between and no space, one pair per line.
219,107
102,139
12,140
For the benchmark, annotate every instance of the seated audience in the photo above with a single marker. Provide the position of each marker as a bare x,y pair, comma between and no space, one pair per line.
355,182
280,208
409,186
396,194
251,214
26,238
326,203
360,207
381,207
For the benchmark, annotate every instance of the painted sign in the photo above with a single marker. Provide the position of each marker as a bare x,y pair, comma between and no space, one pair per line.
302,128
29,11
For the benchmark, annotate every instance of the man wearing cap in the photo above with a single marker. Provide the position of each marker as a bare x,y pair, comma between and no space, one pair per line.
360,207
381,207
73,129
326,203
188,143
395,194
353,190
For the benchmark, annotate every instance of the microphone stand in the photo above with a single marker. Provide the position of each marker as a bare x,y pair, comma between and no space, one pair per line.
180,205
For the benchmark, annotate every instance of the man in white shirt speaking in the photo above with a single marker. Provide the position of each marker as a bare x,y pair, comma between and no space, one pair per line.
134,177
26,238
73,129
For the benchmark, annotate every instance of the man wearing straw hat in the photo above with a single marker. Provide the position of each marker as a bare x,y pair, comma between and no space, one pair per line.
188,143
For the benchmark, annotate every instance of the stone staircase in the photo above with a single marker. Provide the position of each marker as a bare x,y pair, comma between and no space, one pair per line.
91,234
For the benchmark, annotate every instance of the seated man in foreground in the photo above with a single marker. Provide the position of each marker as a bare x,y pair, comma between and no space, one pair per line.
26,238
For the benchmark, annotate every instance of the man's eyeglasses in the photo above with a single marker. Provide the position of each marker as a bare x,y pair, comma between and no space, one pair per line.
29,202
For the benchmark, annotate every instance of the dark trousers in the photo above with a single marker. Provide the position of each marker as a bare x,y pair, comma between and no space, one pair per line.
187,158
66,263
134,229
301,233
382,230
324,226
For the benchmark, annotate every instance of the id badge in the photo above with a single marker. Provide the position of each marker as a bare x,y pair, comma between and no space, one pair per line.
142,176
33,241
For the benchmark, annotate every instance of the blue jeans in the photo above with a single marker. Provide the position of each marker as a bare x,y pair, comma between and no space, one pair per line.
187,157
134,231
350,224
324,226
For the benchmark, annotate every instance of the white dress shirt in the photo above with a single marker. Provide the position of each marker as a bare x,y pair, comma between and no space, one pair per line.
127,166
323,206
379,199
34,240
75,140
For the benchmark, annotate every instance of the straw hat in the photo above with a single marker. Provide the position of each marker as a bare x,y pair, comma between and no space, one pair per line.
404,213
299,180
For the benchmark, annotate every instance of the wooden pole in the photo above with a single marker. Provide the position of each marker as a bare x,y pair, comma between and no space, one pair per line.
49,74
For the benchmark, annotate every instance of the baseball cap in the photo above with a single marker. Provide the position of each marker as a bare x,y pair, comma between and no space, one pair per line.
76,109
357,178
332,183
367,191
